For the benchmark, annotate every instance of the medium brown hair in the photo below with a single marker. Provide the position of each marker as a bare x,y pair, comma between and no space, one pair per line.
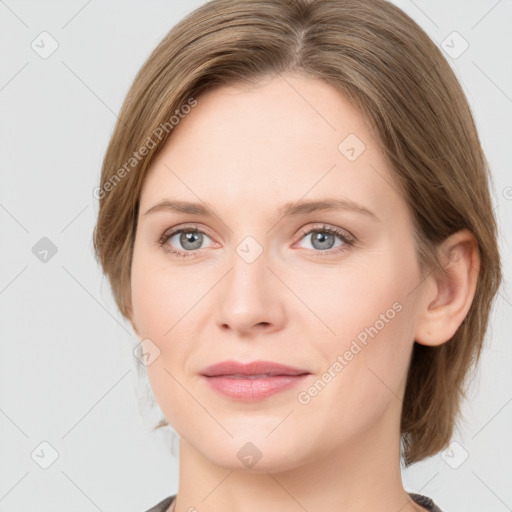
387,66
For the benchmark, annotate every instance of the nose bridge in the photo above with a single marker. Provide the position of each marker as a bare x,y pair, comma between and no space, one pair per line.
249,266
247,295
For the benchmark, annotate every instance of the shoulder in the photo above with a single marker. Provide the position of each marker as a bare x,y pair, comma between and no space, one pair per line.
424,501
163,505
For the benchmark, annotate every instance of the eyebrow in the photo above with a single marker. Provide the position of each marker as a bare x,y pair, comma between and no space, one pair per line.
290,209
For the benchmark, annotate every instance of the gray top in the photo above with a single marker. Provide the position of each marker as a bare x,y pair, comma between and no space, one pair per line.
418,498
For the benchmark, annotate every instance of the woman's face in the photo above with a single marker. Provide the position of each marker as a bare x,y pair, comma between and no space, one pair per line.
328,291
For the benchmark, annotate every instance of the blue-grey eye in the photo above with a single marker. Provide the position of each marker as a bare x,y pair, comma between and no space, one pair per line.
189,240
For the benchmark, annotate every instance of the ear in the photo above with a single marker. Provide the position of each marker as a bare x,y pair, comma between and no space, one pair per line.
447,297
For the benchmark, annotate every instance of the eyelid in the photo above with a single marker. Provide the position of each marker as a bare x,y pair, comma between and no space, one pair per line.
168,233
342,233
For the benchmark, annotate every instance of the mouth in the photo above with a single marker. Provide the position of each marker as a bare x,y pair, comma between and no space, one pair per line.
252,369
254,381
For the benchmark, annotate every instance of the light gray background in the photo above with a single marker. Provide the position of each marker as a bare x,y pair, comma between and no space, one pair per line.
67,373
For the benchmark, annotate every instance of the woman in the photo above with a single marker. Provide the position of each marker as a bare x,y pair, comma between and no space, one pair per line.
295,218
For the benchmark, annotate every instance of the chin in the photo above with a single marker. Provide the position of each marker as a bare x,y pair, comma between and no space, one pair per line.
269,462
253,454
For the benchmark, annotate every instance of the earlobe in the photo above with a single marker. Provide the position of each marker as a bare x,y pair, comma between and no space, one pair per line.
447,296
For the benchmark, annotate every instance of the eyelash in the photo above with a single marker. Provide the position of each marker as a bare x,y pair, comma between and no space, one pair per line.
347,240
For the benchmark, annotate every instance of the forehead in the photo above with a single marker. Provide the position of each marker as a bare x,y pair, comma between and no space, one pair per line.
283,139
280,113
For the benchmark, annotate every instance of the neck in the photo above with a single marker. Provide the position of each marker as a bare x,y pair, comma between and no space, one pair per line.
362,474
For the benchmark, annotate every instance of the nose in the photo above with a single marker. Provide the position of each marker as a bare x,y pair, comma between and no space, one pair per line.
250,298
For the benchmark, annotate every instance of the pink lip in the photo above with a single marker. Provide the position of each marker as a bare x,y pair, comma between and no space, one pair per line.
254,381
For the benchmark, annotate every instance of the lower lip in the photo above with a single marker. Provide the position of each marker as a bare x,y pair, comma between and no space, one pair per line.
252,390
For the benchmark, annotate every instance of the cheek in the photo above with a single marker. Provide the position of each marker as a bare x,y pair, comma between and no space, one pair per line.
164,312
160,312
348,301
367,346
160,298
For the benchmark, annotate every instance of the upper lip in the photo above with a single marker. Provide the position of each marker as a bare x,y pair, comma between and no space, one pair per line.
252,368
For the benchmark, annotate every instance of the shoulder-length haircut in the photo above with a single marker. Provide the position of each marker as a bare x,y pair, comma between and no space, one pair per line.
386,65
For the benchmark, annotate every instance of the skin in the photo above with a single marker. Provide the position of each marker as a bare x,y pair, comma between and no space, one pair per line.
246,152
